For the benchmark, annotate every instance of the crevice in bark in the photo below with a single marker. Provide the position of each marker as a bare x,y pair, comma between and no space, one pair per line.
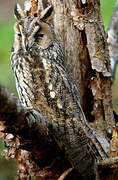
103,113
87,74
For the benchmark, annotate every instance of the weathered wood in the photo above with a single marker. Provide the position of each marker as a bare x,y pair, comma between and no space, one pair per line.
80,31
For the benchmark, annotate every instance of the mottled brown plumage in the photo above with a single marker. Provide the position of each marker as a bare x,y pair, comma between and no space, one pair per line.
45,83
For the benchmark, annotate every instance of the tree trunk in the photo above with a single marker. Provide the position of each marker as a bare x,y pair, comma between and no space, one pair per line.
79,29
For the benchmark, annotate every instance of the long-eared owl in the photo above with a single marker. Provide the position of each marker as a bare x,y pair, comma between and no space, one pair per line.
44,82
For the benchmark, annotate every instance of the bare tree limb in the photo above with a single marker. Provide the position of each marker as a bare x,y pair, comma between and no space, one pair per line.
28,141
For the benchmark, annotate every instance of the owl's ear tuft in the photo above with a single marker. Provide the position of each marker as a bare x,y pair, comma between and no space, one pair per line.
46,13
18,12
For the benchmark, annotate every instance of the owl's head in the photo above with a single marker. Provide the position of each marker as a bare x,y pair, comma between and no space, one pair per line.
32,31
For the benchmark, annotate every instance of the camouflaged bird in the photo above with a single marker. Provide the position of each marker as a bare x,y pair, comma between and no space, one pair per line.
44,82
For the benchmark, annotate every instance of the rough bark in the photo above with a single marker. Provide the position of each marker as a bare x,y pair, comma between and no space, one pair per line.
79,29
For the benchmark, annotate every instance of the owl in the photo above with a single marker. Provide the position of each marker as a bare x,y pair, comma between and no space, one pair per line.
45,83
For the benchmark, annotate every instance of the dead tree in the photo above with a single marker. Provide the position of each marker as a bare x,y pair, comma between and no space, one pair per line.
79,29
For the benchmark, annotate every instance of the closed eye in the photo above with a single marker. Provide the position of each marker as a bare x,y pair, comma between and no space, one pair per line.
39,34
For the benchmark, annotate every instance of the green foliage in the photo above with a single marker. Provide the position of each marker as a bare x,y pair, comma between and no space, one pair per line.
6,39
107,7
115,92
7,168
6,31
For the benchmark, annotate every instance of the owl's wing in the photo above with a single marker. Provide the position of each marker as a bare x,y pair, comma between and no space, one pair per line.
49,88
67,123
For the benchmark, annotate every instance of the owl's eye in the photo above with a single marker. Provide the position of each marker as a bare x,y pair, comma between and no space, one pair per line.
39,35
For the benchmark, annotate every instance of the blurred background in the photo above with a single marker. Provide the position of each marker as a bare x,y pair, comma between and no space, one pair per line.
8,168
